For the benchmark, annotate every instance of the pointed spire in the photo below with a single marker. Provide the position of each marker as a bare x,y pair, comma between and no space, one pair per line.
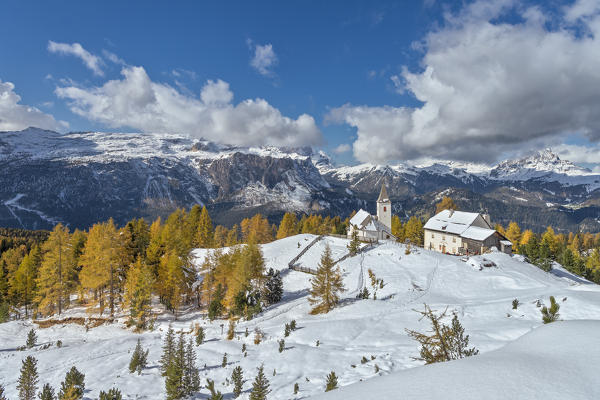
383,196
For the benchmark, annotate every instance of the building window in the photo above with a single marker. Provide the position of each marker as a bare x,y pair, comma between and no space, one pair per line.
443,237
384,208
453,240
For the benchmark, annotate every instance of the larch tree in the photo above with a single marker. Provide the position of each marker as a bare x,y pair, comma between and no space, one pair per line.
288,226
138,293
102,260
23,284
513,233
327,285
172,282
205,233
445,204
57,276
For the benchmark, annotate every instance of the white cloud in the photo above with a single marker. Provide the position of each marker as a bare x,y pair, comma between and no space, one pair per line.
15,116
112,57
75,49
342,148
488,87
264,58
578,153
139,103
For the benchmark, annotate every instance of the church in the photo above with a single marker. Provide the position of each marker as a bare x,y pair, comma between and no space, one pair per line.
374,227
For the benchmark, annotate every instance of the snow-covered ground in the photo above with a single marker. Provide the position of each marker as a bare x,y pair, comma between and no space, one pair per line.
371,328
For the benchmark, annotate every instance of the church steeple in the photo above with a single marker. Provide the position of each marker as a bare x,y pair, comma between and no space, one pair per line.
384,207
383,196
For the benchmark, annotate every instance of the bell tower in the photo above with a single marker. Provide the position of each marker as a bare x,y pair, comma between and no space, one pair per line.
384,207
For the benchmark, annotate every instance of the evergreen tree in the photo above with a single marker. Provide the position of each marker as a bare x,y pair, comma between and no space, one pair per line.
296,388
224,362
260,387
73,385
215,308
172,281
214,395
327,285
28,380
168,351
57,275
332,382
138,293
139,359
281,345
112,394
273,291
550,314
445,343
237,377
47,393
174,381
354,245
200,336
191,375
31,339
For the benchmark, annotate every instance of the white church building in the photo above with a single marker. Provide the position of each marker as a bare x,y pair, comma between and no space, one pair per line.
374,227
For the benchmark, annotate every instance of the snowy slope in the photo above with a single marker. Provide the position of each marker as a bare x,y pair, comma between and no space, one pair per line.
539,365
355,329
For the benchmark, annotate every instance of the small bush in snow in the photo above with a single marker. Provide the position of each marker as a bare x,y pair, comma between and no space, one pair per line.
515,304
332,382
31,339
258,336
199,336
364,360
550,314
139,359
293,325
281,345
112,394
224,362
59,343
296,388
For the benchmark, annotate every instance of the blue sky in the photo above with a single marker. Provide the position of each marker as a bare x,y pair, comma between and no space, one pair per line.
357,68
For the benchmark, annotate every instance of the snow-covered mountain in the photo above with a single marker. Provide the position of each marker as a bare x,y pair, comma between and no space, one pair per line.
544,362
82,177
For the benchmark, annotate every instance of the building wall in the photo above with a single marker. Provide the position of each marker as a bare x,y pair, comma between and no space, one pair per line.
384,213
442,242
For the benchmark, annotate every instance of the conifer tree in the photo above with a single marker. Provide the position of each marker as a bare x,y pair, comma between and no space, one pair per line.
168,351
23,283
73,386
273,291
445,343
205,233
172,280
102,262
112,394
191,375
138,293
260,386
397,228
332,382
57,276
139,359
551,314
445,204
174,382
200,336
3,397
231,329
215,308
224,362
237,377
47,393
281,345
214,394
327,285
31,339
354,245
413,231
28,380
288,226
513,233
220,236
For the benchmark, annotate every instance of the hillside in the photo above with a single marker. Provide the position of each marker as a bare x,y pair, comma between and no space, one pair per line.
481,296
80,178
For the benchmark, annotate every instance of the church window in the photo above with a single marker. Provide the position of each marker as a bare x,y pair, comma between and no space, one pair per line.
384,208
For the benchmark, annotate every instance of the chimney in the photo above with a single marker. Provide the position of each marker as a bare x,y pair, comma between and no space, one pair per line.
486,218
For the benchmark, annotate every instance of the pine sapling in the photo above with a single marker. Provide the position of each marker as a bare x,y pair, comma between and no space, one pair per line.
287,330
112,394
551,314
199,336
47,393
139,359
258,336
73,385
364,360
231,330
3,397
31,339
214,394
237,377
28,380
260,386
293,325
296,388
281,345
332,382
224,362
515,304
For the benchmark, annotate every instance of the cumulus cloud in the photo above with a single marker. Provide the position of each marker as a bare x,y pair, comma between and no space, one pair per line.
137,102
488,87
578,153
342,148
15,116
264,58
91,61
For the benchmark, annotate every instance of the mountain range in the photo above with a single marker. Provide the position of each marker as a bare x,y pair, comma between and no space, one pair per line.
80,178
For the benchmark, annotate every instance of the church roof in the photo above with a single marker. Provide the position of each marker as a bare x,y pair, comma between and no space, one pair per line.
383,196
360,218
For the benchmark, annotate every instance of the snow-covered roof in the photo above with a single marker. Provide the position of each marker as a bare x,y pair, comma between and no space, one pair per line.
477,233
360,218
451,221
506,242
383,196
